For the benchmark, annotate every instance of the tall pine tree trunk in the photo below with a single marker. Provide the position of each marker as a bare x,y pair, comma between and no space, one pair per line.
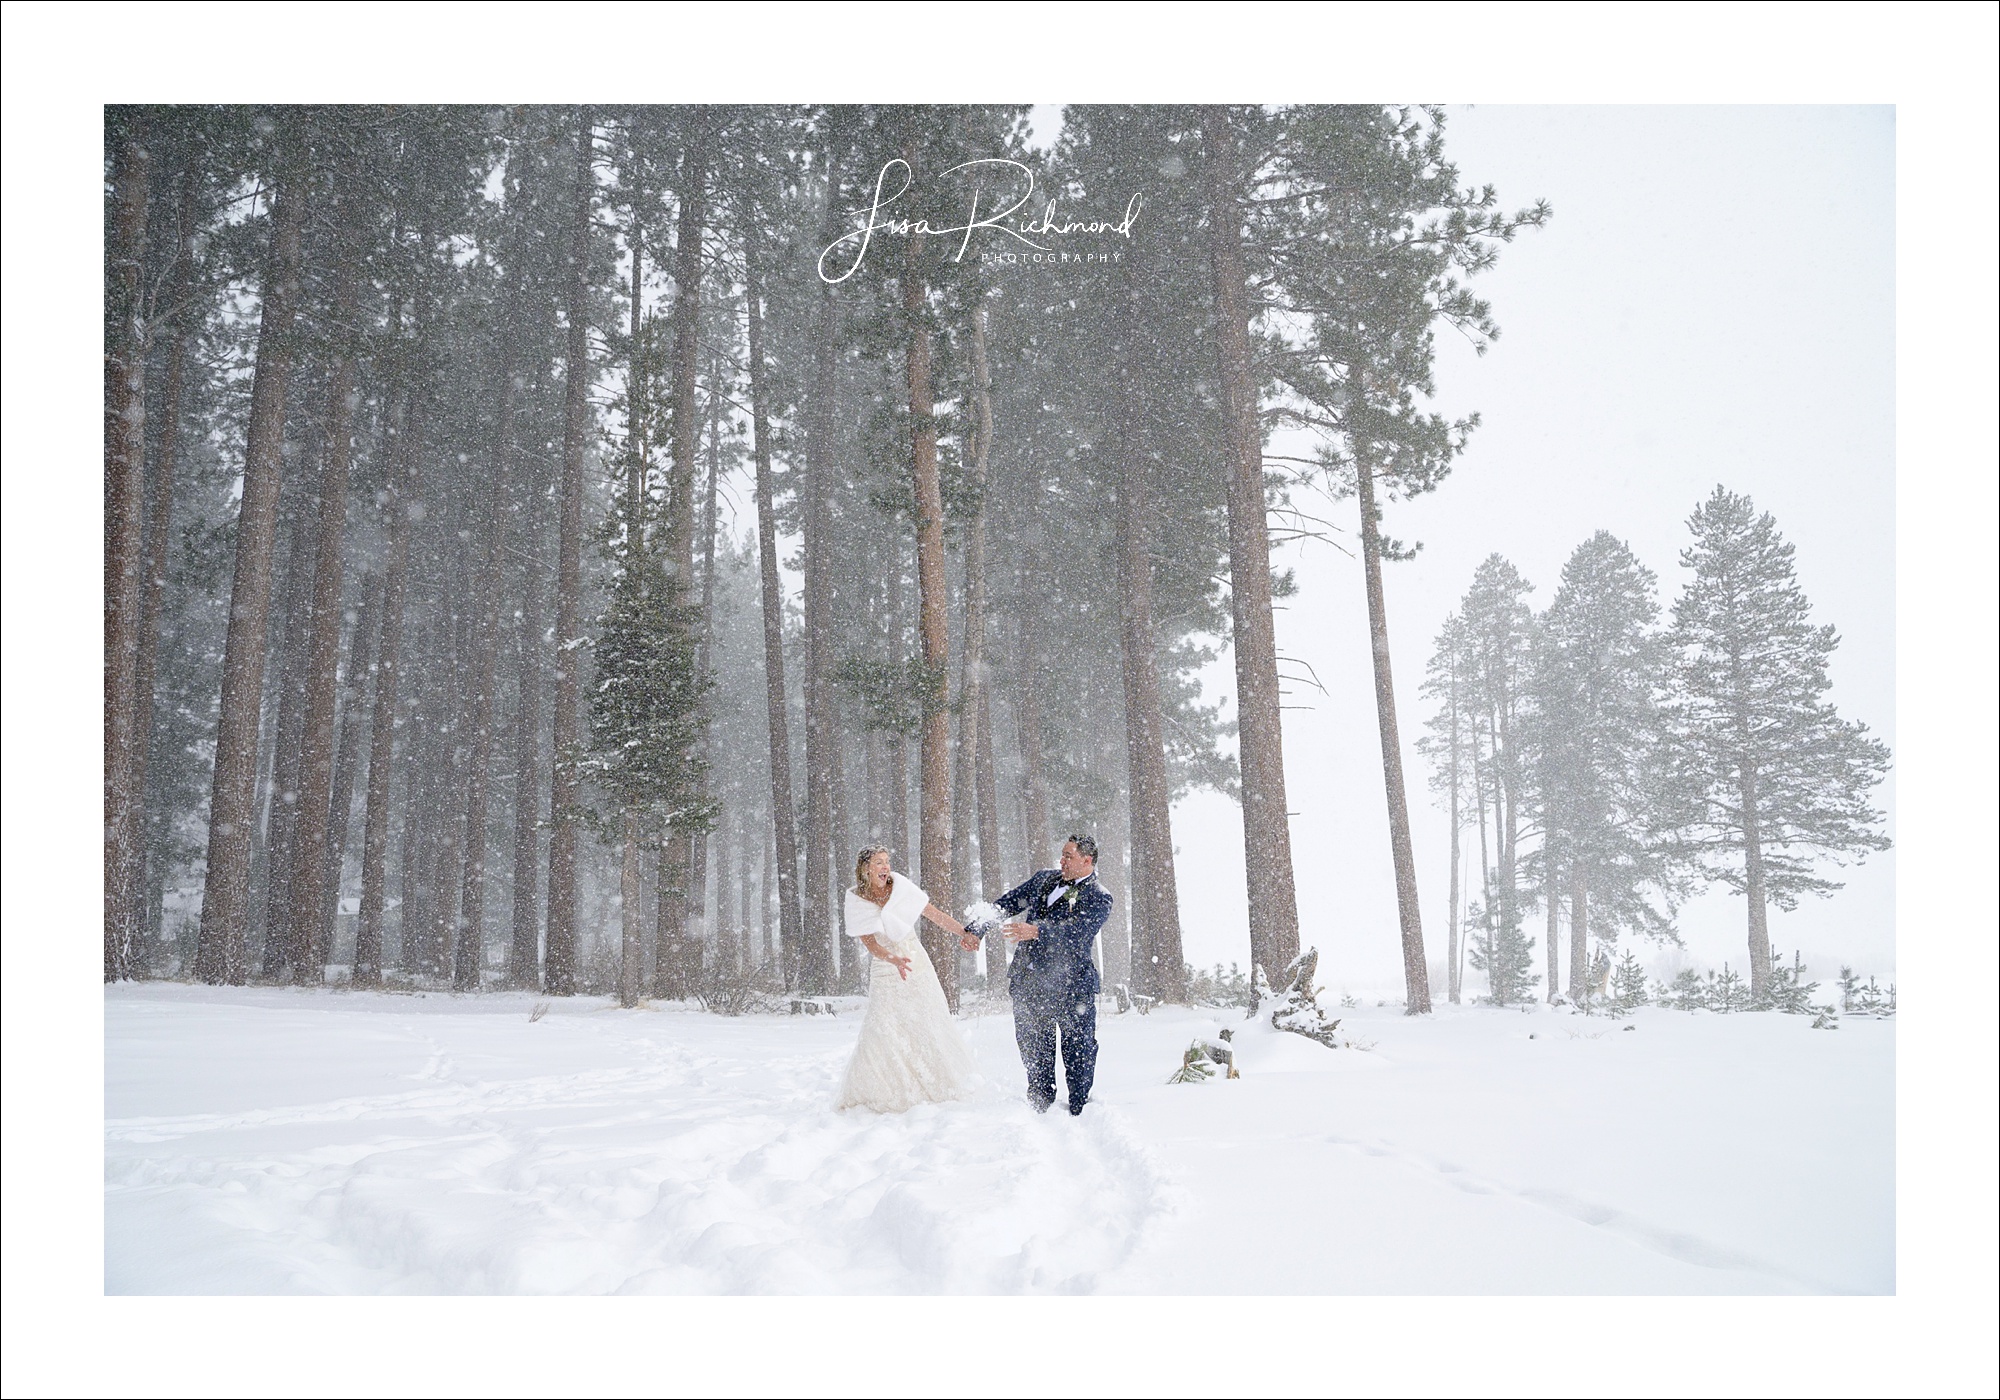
1115,941
450,697
1451,901
347,765
671,952
814,972
635,376
225,906
1416,971
470,951
897,745
779,729
705,659
413,816
524,958
974,736
1456,933
311,838
992,862
565,793
1485,853
1579,931
124,592
725,917
767,905
933,626
1510,846
748,838
1025,691
631,941
1551,898
842,852
1505,832
281,828
147,867
416,815
405,487
313,842
973,649
1753,877
1158,969
898,758
964,787
1267,841
750,826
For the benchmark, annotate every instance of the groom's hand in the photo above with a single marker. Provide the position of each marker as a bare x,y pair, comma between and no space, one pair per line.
1020,933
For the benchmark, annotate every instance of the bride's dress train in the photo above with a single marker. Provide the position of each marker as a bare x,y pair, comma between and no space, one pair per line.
910,1050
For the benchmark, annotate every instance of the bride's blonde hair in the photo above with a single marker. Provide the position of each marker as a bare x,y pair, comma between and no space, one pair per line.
869,853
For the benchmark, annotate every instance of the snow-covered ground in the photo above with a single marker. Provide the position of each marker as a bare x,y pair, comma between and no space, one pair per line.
277,1141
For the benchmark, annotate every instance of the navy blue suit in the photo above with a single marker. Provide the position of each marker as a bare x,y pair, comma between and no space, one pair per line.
1054,983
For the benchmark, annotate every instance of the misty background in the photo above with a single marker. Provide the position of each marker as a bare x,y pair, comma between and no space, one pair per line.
1714,301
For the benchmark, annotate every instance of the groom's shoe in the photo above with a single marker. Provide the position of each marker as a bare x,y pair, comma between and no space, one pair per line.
1075,1106
1039,1105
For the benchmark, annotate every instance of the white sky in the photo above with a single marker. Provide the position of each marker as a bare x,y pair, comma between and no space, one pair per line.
1713,302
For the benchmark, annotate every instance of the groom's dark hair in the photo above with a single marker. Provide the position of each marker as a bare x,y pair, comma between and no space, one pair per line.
1085,846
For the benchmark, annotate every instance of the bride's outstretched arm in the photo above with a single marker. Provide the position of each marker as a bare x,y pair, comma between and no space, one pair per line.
944,920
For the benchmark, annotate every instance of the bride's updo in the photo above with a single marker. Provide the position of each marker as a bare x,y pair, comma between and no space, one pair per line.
868,853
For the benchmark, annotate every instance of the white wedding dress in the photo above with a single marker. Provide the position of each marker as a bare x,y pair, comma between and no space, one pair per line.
910,1050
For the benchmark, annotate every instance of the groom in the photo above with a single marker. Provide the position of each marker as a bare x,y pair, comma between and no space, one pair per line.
1052,980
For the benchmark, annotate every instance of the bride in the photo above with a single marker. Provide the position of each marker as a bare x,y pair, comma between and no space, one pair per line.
909,1052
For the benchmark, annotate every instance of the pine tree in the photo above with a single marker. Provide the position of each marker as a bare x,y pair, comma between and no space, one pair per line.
1628,982
1726,992
1764,779
697,133
1274,909
1136,398
565,806
313,844
125,347
1786,990
772,598
1499,627
647,718
1506,954
1375,238
1594,685
226,895
177,324
1688,992
1450,746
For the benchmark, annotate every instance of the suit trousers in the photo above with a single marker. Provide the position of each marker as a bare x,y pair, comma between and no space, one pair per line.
1040,1021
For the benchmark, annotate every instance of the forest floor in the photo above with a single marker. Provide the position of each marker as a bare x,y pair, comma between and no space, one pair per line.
260,1140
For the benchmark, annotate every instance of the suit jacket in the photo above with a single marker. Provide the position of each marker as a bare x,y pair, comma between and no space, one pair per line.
1057,962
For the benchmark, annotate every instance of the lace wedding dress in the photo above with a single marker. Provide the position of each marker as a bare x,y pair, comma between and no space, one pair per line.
910,1050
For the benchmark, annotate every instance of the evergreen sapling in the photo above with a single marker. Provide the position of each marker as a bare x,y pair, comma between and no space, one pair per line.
1628,983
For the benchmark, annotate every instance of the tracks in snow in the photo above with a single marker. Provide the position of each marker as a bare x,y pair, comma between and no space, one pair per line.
1680,1245
674,1172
